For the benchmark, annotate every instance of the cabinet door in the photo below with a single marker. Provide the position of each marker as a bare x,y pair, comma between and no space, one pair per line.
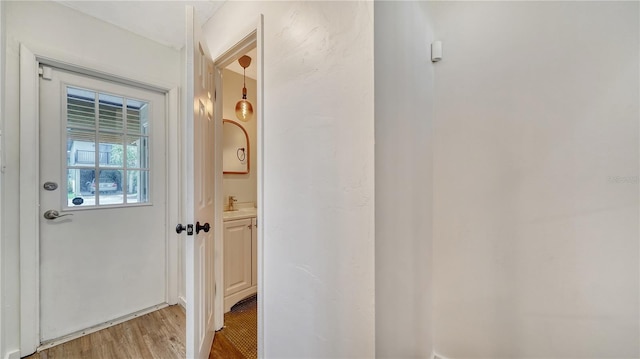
254,252
237,256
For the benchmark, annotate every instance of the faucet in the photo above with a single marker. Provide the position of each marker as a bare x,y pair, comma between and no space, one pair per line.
231,200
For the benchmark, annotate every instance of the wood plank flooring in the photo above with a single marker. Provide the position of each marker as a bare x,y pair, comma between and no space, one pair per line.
157,335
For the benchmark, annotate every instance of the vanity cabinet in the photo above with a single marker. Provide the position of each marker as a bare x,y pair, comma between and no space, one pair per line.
240,260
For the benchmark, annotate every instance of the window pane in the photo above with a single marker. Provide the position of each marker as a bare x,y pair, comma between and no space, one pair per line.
110,112
79,188
80,108
138,186
137,117
111,151
137,152
110,187
81,147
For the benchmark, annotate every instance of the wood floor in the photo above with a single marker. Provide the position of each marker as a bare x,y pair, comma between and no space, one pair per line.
157,335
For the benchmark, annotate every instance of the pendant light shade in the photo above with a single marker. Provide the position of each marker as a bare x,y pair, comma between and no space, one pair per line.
244,109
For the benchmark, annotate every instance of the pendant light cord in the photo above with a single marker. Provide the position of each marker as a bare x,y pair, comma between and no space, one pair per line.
244,83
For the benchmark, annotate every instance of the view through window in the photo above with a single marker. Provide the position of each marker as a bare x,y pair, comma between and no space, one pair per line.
107,146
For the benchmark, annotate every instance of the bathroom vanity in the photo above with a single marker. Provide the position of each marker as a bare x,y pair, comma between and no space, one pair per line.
240,255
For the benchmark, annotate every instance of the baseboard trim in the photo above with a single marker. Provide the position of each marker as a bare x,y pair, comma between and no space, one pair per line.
95,328
13,355
183,302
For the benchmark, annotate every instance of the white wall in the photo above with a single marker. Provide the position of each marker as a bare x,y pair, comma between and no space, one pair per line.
318,217
2,140
404,83
49,28
536,180
243,187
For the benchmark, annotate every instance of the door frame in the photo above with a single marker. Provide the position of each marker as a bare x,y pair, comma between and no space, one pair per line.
249,37
29,231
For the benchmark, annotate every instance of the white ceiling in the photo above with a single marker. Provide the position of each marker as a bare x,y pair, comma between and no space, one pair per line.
252,71
161,21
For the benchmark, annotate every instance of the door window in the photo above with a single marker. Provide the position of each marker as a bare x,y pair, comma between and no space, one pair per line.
107,147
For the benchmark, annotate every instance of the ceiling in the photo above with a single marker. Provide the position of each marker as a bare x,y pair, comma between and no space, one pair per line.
161,21
251,70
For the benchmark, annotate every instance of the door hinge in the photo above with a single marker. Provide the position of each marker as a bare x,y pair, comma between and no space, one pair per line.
45,72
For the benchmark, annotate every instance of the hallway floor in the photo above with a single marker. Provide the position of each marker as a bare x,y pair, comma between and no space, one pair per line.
160,334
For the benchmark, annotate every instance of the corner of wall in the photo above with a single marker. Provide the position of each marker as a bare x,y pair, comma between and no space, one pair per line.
403,174
438,356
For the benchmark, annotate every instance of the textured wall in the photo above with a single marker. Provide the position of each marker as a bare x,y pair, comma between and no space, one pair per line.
318,217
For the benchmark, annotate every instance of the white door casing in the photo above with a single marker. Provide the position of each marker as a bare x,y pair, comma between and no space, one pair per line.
97,263
29,208
199,195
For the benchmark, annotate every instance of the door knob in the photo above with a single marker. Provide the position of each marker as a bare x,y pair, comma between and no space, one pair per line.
53,214
204,227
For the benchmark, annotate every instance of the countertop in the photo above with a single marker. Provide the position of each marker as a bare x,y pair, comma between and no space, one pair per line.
240,213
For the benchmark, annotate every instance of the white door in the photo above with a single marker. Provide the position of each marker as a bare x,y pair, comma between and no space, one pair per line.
102,202
199,196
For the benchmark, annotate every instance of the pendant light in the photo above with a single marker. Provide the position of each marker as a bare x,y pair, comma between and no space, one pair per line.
244,110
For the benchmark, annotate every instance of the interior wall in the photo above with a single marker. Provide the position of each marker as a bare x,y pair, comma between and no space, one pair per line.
318,210
243,187
63,33
2,140
536,171
404,91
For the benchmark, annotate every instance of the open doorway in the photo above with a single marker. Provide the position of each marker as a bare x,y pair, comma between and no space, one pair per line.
237,97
